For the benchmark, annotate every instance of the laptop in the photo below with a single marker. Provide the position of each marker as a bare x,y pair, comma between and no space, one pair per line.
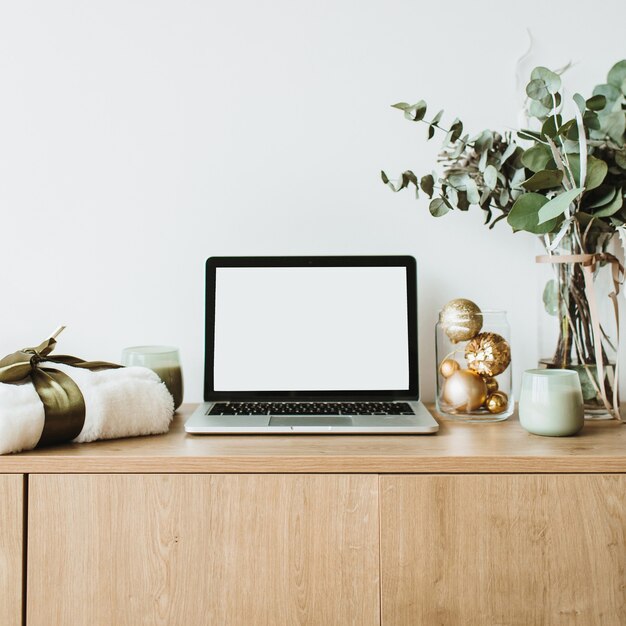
321,344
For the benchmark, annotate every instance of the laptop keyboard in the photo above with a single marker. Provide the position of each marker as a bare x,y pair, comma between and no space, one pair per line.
311,408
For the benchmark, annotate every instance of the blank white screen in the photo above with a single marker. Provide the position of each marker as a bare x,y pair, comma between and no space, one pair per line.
311,328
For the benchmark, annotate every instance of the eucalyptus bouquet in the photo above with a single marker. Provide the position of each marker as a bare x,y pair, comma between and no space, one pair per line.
564,179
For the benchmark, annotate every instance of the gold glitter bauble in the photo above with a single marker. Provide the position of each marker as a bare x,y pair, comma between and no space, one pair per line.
448,367
492,385
497,402
464,390
461,320
488,354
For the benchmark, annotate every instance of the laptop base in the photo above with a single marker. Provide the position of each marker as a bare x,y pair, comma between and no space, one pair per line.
200,423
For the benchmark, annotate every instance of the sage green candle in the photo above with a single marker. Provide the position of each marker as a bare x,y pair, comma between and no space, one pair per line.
551,402
164,361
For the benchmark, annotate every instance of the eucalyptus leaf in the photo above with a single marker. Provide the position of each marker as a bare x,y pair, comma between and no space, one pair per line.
438,207
456,130
614,125
485,197
611,208
602,196
509,152
545,179
551,80
482,162
551,126
620,158
596,171
462,202
415,112
591,120
403,106
517,178
596,103
538,109
558,205
537,89
504,197
437,117
490,177
427,183
536,158
458,181
484,141
524,215
473,195
453,196
617,74
551,101
567,126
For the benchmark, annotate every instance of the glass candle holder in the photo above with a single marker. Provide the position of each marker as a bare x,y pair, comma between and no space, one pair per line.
164,361
551,402
474,372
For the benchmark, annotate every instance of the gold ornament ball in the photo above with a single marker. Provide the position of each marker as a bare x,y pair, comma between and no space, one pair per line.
488,354
497,402
448,367
461,319
464,390
492,385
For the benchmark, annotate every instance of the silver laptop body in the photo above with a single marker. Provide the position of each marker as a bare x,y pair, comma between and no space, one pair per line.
320,345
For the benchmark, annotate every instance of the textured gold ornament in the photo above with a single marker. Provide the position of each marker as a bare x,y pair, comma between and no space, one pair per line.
448,367
465,390
492,385
461,319
497,402
488,354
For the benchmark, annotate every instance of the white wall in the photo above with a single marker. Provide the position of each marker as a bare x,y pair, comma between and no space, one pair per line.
138,138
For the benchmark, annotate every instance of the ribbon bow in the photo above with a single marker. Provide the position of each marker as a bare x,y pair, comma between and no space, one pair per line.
63,401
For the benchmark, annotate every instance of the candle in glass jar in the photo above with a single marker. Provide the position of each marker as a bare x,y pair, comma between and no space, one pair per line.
164,361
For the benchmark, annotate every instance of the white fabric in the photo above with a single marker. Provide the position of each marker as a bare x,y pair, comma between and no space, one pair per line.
119,403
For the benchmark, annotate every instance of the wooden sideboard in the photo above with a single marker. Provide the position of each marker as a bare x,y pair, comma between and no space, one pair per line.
481,524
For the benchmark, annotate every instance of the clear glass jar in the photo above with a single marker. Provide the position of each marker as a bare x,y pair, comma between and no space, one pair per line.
566,334
474,379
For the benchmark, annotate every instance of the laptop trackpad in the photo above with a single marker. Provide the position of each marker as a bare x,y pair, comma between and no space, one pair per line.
311,420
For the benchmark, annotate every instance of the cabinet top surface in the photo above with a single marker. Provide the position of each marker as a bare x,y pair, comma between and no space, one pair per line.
499,447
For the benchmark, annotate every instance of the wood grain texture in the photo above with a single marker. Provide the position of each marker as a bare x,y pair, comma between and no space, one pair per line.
223,550
457,448
11,555
503,550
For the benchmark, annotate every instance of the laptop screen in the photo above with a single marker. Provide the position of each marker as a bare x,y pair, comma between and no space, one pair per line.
310,329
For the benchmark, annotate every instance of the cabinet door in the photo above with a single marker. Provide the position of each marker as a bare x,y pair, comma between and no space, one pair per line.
503,550
203,549
11,555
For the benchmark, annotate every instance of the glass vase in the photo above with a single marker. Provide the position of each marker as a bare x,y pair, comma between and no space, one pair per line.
474,376
566,334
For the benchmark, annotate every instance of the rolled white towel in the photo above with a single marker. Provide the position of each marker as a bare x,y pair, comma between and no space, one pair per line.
123,402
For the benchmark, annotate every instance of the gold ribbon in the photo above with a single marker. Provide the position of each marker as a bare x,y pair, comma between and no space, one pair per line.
63,402
588,263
